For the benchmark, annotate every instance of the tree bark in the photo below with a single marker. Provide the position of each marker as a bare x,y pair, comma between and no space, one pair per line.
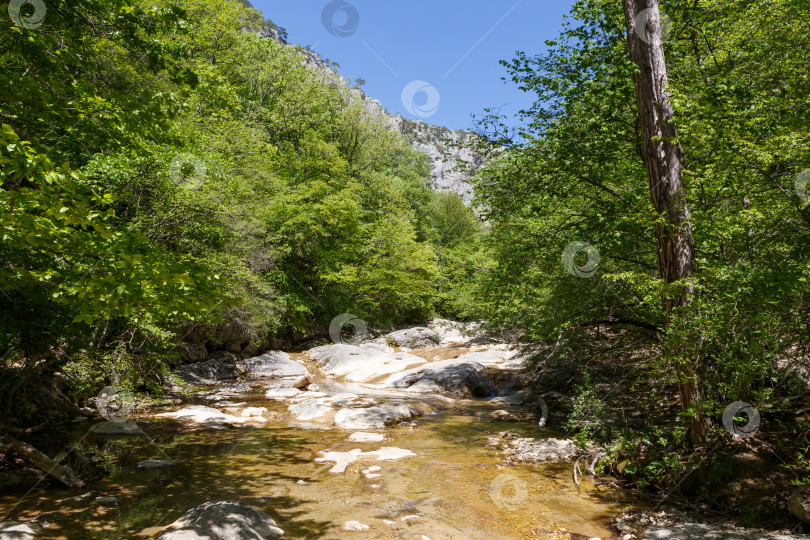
41,461
662,159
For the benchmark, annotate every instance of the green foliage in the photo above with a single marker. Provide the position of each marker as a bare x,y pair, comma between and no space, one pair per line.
184,169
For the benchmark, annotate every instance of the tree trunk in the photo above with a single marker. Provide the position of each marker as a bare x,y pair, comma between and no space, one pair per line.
662,159
40,460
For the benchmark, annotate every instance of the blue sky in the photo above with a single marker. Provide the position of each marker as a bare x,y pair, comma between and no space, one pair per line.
451,46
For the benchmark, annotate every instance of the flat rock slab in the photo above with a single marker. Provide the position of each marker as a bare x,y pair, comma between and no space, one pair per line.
223,520
18,530
355,526
275,365
207,416
376,417
529,450
153,464
361,436
343,459
695,531
362,363
389,453
128,428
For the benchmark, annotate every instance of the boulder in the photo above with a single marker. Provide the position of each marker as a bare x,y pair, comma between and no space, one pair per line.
375,417
194,352
19,530
208,372
455,376
275,365
799,503
361,363
413,338
223,520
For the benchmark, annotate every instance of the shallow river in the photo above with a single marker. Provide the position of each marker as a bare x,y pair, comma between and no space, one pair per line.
454,488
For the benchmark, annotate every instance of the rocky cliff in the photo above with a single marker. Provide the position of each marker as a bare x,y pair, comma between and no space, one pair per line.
452,161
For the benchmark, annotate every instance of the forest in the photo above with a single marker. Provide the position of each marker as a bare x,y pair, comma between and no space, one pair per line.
641,233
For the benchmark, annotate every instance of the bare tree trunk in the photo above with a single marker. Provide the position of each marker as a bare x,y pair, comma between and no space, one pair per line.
32,455
662,158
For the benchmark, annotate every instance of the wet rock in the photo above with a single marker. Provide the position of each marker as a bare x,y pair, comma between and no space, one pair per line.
105,501
361,363
153,464
361,436
281,394
253,411
128,428
18,530
223,520
527,449
275,365
458,377
355,526
311,409
799,503
206,416
388,453
341,459
375,417
413,338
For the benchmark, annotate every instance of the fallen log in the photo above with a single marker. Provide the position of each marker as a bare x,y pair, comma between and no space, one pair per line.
41,461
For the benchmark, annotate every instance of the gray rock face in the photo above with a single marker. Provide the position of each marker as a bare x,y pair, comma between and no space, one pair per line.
362,363
275,365
694,531
375,417
208,372
413,338
455,376
223,520
17,530
799,504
